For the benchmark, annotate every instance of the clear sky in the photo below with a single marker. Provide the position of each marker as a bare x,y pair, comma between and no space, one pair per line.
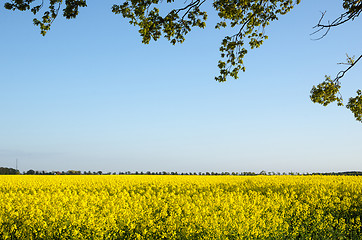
91,96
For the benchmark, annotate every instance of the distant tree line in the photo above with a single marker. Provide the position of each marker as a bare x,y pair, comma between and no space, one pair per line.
8,171
4,170
350,173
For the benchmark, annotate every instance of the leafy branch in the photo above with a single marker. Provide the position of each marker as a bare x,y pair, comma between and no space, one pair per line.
151,24
328,91
251,17
54,6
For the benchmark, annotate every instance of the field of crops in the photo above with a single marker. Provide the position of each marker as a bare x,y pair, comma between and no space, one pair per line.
180,207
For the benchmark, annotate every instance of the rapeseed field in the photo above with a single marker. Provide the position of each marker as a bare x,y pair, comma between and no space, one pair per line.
180,207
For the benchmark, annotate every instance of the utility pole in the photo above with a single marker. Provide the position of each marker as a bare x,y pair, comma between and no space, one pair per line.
16,164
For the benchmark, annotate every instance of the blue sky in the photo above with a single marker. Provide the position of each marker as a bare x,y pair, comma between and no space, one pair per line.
91,96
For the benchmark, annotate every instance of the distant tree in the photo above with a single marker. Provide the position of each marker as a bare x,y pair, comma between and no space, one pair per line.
30,172
8,171
262,173
73,172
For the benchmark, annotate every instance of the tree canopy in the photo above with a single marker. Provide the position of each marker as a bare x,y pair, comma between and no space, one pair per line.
249,18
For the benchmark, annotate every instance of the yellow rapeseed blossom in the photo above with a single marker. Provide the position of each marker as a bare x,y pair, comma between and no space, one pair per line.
180,207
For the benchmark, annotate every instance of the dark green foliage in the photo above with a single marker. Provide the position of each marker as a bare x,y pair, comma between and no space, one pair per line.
30,172
175,25
355,105
251,18
8,171
54,6
326,92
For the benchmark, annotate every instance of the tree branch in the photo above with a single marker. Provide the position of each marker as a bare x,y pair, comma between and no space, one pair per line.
353,11
343,72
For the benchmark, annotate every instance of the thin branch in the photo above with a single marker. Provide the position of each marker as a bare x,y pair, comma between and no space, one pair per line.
191,4
188,10
57,12
351,14
343,72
